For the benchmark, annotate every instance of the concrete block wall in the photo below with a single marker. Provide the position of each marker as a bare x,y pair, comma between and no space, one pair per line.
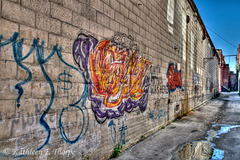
79,77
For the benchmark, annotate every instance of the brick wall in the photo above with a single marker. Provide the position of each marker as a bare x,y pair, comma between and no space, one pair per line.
79,77
238,64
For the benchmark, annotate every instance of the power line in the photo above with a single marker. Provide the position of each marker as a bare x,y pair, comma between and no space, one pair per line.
221,37
230,55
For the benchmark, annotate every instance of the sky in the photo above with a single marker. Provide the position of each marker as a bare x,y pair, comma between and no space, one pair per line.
222,18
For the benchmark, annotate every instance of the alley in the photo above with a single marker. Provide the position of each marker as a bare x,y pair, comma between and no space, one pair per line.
229,143
128,79
217,123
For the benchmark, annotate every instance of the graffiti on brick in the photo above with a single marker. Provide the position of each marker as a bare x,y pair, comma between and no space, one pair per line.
182,91
112,127
65,78
174,78
157,81
118,76
41,118
24,121
122,131
157,85
195,78
158,102
118,136
158,113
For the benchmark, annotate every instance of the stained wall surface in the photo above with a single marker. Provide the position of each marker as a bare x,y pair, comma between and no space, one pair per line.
79,77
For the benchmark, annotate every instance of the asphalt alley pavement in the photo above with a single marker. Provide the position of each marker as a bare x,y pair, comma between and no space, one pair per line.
217,121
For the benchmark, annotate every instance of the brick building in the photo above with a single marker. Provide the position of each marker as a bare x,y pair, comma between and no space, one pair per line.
232,81
238,65
223,73
79,77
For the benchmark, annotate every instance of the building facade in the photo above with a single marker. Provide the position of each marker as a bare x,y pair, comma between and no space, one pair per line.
237,66
223,73
233,81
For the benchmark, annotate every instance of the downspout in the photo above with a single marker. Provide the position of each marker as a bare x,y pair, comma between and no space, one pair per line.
186,67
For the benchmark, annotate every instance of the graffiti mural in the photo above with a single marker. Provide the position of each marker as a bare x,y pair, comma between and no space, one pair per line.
118,76
45,118
174,78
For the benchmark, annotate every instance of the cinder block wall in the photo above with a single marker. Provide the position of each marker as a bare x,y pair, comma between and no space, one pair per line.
79,77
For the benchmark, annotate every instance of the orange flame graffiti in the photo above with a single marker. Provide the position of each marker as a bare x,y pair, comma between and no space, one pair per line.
117,74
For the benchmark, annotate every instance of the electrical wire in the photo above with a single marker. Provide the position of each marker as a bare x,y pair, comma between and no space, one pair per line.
222,37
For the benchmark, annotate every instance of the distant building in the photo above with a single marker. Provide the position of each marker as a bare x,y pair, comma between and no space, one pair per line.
233,81
238,67
223,73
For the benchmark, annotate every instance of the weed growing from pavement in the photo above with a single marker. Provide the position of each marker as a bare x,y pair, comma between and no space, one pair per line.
178,118
142,138
86,157
116,151
163,127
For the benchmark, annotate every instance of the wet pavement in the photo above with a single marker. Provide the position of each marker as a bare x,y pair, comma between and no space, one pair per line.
212,131
228,140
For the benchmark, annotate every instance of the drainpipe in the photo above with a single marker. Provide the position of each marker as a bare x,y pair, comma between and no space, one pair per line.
186,67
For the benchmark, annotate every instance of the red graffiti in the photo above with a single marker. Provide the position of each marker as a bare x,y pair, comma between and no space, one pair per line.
174,78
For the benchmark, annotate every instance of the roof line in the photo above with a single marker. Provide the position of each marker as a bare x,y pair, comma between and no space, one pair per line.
194,8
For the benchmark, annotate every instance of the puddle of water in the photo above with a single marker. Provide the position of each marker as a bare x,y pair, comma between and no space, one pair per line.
224,128
206,149
217,154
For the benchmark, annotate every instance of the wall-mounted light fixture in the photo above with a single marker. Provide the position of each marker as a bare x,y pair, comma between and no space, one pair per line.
175,47
188,18
204,34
